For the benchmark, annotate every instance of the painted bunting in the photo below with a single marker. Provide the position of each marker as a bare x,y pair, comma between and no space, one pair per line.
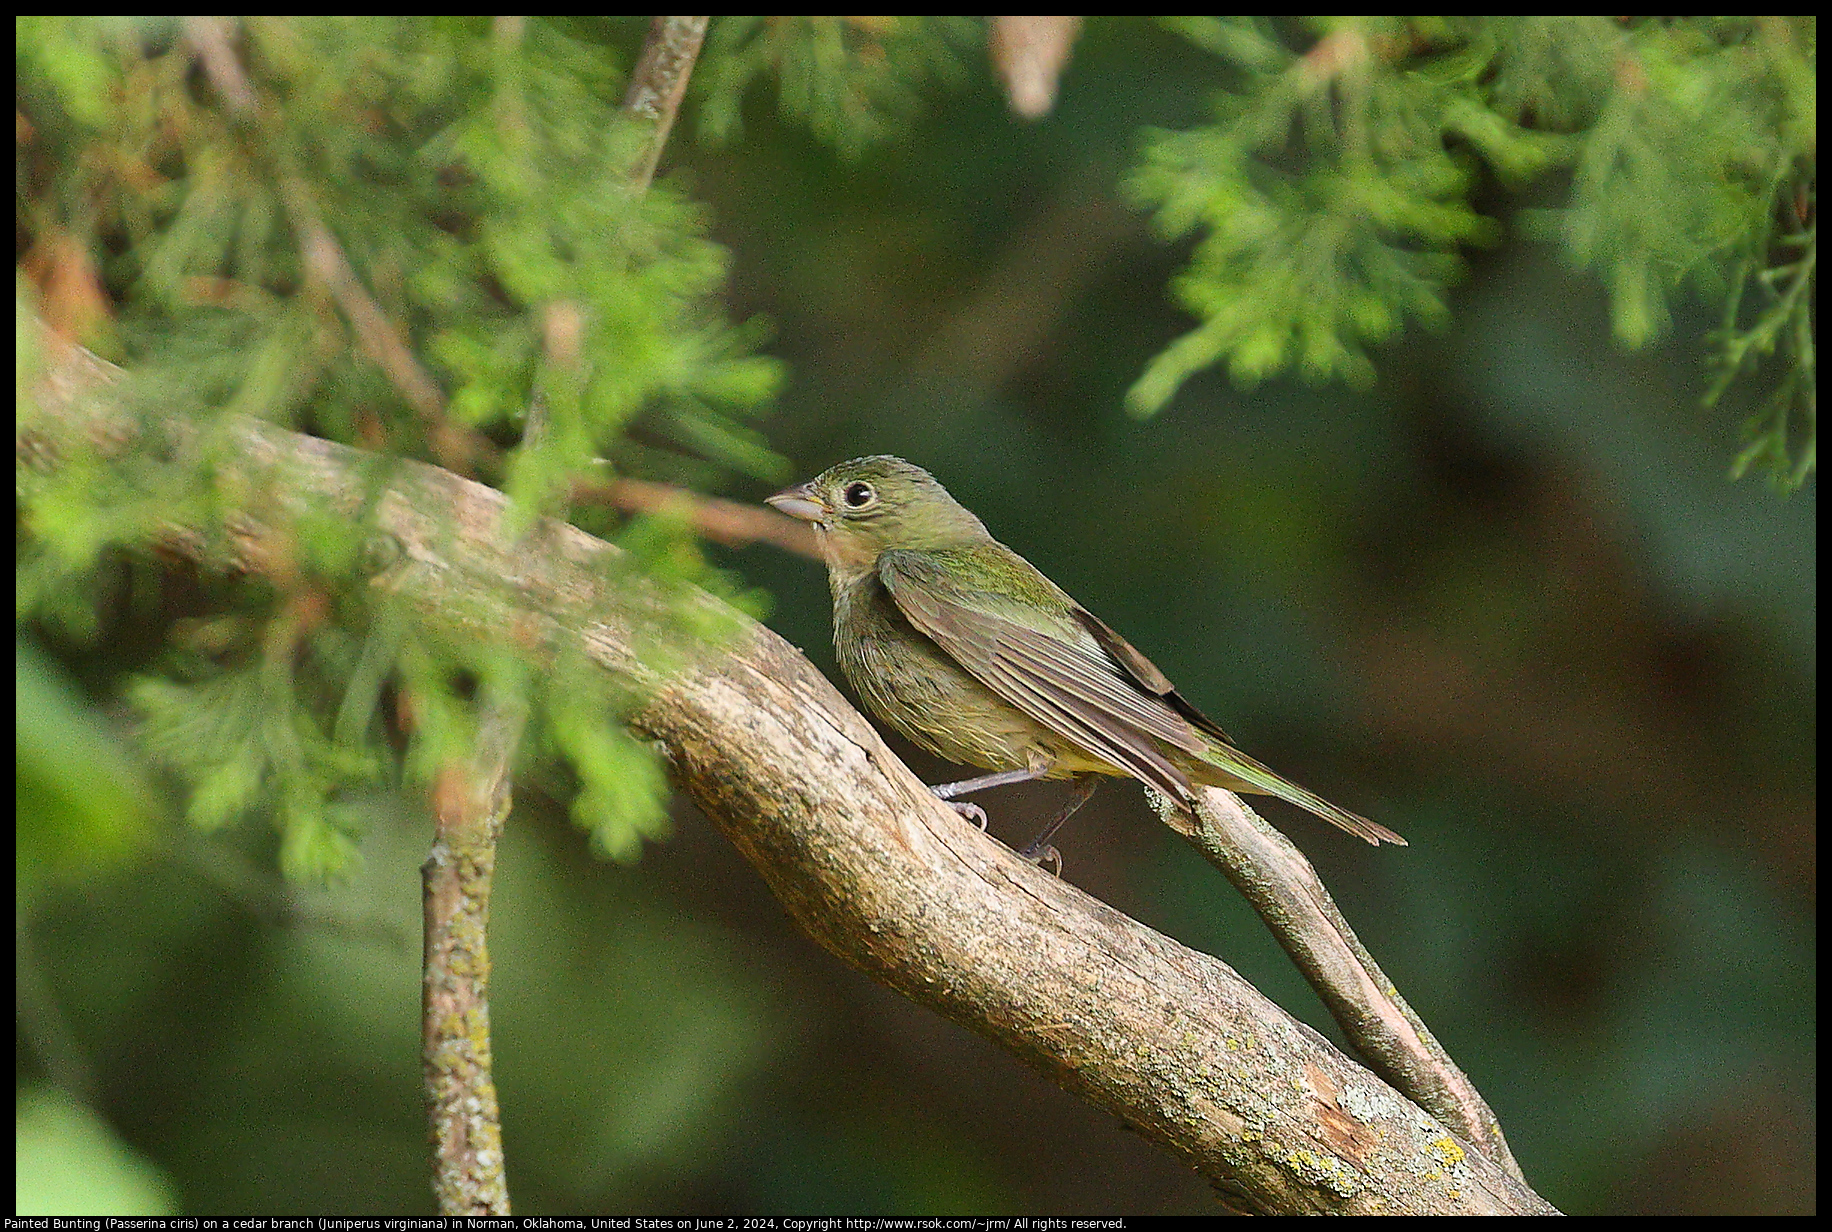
966,648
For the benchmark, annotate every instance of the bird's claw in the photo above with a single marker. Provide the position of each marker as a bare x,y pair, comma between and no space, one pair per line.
1048,855
972,812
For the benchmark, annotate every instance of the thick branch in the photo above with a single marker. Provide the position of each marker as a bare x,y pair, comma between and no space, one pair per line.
884,875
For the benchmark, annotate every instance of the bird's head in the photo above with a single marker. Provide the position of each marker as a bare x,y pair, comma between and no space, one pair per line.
868,505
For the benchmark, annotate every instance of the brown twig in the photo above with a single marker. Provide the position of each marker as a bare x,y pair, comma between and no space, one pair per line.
209,37
732,523
454,446
1030,53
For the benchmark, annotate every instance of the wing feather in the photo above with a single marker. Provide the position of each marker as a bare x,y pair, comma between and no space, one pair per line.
1136,757
1076,692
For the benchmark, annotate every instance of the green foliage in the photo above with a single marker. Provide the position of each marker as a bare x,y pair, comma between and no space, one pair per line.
401,234
624,785
1305,263
88,799
68,1161
854,80
1332,190
249,737
1781,438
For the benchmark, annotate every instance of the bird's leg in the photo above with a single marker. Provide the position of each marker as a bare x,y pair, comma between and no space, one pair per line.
967,787
973,812
1039,852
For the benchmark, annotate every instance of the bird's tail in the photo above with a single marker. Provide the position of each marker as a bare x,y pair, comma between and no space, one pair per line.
1257,778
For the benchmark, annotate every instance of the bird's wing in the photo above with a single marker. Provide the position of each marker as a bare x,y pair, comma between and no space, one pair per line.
1074,689
1244,769
1146,674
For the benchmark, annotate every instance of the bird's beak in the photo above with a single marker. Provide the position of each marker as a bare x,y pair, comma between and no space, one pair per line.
799,502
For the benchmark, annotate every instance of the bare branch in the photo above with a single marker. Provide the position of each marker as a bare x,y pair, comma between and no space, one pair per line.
470,803
659,83
1030,53
732,523
1273,875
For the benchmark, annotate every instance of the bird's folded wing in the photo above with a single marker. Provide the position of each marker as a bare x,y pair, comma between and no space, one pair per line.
1146,675
1073,689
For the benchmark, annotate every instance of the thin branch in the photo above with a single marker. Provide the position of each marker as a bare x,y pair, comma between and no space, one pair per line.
1030,53
876,869
659,83
657,86
733,523
471,802
1273,875
210,38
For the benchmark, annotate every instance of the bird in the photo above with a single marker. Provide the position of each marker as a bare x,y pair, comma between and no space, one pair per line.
968,650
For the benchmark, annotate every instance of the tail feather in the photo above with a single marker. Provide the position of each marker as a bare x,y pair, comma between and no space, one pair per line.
1254,777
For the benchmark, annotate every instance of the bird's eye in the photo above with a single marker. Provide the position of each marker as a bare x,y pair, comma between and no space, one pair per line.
858,494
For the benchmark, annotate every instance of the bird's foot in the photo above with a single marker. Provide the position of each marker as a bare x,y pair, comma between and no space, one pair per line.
972,812
1043,856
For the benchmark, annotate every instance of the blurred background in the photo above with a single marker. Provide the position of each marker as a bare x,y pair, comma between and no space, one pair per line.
1505,602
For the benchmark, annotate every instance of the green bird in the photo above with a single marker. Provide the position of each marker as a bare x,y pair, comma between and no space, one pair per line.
967,649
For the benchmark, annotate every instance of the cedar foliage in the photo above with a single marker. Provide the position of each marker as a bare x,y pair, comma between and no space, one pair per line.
1333,193
476,178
